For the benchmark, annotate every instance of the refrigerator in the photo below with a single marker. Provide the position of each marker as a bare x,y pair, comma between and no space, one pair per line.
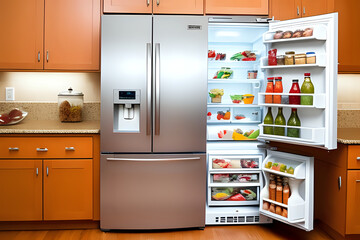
238,153
153,129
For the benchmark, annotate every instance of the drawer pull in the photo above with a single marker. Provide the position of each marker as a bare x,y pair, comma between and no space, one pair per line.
69,149
37,171
13,149
41,149
47,171
357,180
339,182
358,158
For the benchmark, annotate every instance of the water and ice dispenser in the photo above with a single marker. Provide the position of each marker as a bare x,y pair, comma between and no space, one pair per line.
126,110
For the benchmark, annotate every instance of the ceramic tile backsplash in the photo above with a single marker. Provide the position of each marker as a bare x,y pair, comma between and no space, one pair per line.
49,110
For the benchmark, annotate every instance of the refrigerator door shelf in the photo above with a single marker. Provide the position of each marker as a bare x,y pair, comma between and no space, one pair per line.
319,100
232,179
233,132
234,162
300,207
237,115
320,62
319,33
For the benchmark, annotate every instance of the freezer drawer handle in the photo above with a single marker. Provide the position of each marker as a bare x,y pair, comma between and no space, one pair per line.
41,149
13,149
69,149
152,159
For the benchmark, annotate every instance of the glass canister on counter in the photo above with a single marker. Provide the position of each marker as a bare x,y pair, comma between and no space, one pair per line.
70,104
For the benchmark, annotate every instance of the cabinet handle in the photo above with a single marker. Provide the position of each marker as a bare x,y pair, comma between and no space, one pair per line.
47,171
339,182
358,158
41,149
304,11
357,180
69,149
157,2
47,55
298,11
13,149
38,56
148,2
37,171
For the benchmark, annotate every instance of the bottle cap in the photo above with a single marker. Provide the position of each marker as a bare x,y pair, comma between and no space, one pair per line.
310,53
294,109
295,80
307,74
278,78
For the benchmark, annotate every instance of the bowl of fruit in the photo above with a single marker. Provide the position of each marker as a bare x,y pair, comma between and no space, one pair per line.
13,117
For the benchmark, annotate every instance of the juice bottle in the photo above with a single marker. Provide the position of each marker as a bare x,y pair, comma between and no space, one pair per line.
269,89
269,120
293,121
279,190
294,89
272,188
280,120
307,87
286,190
278,88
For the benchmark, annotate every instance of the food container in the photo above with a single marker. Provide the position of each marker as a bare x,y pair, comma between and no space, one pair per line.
216,99
70,104
248,98
289,58
300,58
310,58
280,59
252,74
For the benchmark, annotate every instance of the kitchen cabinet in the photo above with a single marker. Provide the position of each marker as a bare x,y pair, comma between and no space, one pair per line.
50,35
67,189
154,6
353,199
237,7
21,190
57,175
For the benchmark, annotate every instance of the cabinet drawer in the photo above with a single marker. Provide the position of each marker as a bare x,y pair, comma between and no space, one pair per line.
46,147
354,157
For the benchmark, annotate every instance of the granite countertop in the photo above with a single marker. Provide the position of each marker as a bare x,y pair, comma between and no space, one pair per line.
348,135
52,126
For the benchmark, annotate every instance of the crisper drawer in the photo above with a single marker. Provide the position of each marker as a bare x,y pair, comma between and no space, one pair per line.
46,147
354,157
233,196
234,162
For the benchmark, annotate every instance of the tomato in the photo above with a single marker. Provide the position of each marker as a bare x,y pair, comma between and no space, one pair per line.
219,117
237,197
4,118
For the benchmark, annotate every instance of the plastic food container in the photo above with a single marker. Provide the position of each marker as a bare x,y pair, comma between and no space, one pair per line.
280,60
310,58
252,74
300,58
248,98
289,58
70,104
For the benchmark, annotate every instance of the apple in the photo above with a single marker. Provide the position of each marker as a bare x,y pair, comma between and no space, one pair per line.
4,118
15,114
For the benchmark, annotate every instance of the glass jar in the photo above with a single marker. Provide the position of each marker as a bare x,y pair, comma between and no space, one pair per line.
289,58
280,59
300,58
252,74
70,104
310,58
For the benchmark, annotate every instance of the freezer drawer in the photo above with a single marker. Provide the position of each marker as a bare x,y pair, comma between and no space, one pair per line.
152,191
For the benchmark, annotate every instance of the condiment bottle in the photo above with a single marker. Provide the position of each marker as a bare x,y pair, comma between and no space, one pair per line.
279,190
269,89
272,188
293,121
286,190
307,87
278,210
295,88
272,57
278,88
269,120
272,208
280,120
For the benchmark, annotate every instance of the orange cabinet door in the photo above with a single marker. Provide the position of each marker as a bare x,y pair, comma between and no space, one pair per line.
285,9
21,41
20,190
258,7
132,6
68,189
178,7
312,8
72,33
353,200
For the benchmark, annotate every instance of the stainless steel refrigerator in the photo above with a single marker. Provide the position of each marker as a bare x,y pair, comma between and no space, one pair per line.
153,122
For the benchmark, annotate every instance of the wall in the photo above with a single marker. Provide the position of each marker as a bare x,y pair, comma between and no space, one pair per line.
349,91
45,86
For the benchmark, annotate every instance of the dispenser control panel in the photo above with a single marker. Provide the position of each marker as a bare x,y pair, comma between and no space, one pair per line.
127,96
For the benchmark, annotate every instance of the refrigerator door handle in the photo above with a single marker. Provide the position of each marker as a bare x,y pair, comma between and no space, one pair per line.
157,88
148,88
152,159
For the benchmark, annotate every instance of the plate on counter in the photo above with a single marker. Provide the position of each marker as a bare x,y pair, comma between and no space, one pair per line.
13,117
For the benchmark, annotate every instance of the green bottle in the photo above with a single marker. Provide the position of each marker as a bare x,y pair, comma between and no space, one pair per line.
307,87
280,120
269,120
293,121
